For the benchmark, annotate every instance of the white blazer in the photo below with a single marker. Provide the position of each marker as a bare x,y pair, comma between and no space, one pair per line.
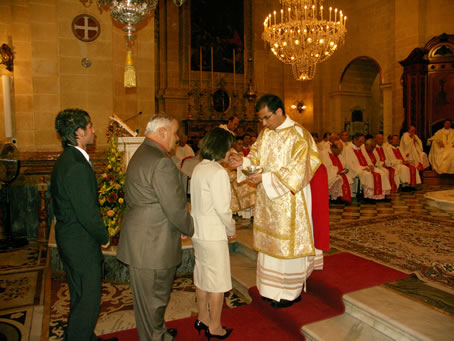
210,202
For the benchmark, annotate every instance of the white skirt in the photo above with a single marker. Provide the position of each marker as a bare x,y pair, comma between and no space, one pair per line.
212,265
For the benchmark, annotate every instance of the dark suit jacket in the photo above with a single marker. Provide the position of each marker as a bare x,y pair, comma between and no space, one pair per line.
80,230
156,213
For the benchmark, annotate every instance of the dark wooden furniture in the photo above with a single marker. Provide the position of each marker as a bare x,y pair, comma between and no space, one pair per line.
428,85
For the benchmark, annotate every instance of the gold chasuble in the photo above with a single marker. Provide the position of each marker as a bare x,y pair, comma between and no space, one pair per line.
282,224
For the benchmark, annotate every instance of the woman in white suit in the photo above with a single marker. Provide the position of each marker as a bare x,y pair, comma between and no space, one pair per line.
213,225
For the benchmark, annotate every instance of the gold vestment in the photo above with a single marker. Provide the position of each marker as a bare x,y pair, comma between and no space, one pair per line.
282,226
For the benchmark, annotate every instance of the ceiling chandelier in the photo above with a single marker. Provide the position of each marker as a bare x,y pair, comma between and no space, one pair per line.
303,34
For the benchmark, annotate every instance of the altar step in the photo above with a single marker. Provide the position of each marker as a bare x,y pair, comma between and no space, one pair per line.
430,177
373,314
381,314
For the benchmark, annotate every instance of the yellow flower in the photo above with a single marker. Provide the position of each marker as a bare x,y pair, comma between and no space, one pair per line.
120,200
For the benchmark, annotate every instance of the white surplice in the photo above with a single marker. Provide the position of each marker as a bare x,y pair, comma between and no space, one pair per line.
412,150
365,176
403,170
441,155
335,180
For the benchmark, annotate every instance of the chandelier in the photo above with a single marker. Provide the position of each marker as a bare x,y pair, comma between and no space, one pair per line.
303,34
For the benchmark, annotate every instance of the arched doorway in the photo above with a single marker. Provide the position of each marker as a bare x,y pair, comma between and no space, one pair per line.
361,97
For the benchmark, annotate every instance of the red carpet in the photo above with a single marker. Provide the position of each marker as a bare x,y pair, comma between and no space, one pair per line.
342,273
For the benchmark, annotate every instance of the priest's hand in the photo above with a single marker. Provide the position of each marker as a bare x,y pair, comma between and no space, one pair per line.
105,246
235,160
255,178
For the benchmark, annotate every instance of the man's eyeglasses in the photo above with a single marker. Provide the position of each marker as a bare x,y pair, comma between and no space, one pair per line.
266,118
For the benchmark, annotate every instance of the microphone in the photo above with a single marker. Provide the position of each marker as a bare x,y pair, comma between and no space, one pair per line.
139,113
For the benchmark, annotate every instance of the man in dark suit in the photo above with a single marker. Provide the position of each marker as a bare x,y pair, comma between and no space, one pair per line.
155,217
80,231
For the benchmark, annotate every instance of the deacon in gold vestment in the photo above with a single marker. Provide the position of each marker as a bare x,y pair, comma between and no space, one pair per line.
283,234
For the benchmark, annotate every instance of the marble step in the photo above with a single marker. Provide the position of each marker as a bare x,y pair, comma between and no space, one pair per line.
243,271
342,328
390,315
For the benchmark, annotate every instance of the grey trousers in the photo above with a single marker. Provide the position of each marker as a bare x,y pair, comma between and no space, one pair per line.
151,293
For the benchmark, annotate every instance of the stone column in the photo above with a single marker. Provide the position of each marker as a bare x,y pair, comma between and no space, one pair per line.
388,110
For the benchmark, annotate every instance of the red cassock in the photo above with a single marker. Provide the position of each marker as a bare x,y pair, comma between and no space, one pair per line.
320,208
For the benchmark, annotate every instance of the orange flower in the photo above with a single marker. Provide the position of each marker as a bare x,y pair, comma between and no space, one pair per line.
110,213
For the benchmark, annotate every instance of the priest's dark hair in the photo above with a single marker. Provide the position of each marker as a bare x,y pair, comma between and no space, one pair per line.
216,144
67,122
273,103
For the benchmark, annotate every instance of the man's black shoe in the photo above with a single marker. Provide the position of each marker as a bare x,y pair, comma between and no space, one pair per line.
173,332
285,303
266,299
113,338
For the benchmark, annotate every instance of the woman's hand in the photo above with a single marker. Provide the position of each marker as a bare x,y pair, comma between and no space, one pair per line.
232,237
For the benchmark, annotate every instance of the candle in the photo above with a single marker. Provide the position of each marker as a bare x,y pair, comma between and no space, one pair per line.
345,20
305,12
189,66
6,81
330,9
321,12
234,73
212,75
201,67
289,14
313,11
275,22
340,17
335,14
282,14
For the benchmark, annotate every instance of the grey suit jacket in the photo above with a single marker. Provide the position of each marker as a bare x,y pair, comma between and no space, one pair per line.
156,213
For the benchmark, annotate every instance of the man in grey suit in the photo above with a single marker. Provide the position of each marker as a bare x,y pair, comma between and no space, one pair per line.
156,216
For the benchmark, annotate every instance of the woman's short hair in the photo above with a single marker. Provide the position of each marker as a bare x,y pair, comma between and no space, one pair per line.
216,144
158,121
67,122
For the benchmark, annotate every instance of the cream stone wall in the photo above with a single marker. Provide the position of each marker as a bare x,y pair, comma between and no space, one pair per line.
386,31
49,77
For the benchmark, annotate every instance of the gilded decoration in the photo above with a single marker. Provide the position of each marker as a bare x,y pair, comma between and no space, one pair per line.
282,226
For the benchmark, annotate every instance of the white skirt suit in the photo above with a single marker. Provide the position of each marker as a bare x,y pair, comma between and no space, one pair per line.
210,208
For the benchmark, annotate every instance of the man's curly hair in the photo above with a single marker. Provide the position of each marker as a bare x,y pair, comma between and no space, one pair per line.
67,122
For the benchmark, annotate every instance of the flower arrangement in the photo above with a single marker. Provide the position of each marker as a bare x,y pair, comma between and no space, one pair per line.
111,182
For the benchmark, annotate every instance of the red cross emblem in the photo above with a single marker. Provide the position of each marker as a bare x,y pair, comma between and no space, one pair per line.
86,28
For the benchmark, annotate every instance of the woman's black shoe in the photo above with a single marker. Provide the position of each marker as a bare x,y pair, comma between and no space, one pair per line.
199,325
228,331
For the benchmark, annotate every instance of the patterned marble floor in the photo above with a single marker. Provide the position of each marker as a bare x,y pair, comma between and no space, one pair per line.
402,202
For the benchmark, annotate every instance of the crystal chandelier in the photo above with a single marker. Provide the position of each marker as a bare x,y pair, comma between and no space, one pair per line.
303,34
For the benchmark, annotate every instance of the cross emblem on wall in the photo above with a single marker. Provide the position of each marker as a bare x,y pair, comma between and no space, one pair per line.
86,28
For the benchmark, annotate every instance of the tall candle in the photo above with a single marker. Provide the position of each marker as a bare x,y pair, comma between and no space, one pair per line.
321,12
6,82
330,9
189,66
275,22
234,73
335,14
201,60
345,20
282,14
212,75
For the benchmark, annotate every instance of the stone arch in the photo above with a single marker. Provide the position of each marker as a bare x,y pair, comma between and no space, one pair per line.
361,94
